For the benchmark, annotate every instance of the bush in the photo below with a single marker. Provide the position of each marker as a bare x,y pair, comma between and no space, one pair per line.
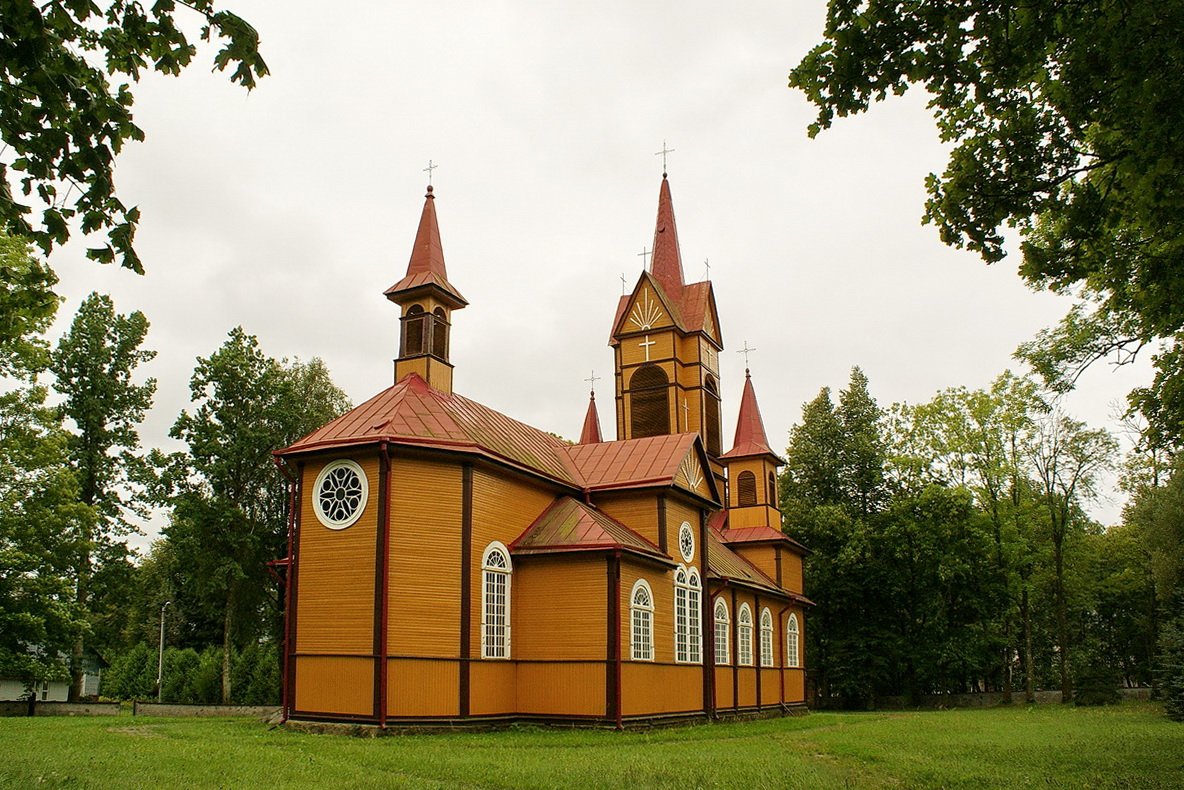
1171,667
132,675
180,671
255,678
207,680
1096,679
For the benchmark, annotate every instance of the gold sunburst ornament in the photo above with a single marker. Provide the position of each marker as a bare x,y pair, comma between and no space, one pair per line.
691,471
646,312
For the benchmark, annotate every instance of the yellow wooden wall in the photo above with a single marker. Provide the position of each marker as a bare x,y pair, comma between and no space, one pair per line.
561,689
424,572
637,511
335,685
422,688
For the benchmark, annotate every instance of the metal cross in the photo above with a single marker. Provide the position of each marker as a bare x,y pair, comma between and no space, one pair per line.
622,283
592,380
745,351
646,345
644,255
429,170
686,414
707,264
662,154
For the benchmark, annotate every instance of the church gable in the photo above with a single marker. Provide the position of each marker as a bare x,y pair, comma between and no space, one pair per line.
648,310
693,476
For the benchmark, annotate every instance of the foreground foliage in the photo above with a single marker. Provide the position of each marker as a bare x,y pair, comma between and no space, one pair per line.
1047,746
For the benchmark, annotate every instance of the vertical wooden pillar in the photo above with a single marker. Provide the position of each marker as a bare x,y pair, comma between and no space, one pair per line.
466,587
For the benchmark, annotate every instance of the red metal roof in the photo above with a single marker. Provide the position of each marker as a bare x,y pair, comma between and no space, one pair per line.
750,428
591,432
653,460
761,534
666,263
570,525
412,412
426,267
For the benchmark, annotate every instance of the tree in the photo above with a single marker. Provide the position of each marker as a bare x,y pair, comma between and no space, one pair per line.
27,307
64,119
230,502
94,366
1057,130
1067,459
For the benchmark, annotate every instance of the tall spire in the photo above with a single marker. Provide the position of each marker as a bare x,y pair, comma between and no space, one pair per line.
750,428
591,432
426,267
666,266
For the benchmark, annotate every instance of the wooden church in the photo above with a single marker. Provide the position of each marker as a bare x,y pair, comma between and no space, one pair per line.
448,563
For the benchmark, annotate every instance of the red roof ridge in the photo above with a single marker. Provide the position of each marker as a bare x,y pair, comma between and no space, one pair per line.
570,525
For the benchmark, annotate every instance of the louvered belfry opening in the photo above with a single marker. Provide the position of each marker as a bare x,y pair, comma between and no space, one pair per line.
711,407
414,332
772,489
440,333
650,413
746,489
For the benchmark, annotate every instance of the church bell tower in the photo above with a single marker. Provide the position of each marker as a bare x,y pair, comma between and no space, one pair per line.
426,300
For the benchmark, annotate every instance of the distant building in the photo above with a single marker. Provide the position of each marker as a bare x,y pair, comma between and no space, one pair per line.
58,690
449,563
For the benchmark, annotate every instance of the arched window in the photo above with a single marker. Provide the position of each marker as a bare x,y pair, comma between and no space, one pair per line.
766,638
440,333
711,414
722,629
649,409
687,616
744,636
772,490
495,601
641,607
792,658
414,331
746,489
694,616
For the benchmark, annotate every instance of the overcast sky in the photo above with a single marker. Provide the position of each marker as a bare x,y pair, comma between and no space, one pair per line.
289,210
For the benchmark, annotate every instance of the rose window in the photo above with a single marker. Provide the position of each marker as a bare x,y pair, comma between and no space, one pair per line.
340,494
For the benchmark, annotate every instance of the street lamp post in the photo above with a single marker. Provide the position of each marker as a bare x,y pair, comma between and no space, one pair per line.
160,660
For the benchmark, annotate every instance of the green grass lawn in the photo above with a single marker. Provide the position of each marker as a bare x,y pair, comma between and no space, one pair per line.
1130,746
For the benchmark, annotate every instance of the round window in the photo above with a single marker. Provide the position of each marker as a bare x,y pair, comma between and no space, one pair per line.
340,493
686,541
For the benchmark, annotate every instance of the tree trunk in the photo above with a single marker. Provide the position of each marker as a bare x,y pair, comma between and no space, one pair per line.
1007,657
1029,680
227,627
1062,616
82,593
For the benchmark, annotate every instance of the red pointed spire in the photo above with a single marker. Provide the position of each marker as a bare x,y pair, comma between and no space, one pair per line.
426,267
750,428
591,432
666,266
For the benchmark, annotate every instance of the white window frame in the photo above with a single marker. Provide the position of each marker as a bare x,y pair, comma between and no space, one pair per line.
641,622
723,626
686,542
495,635
792,656
766,637
744,636
695,616
682,652
364,495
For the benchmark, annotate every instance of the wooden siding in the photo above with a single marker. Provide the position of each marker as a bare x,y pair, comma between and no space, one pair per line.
503,508
561,689
559,610
677,511
335,684
753,515
494,686
633,353
791,572
639,512
422,688
746,698
795,685
653,689
335,607
723,687
770,686
424,592
763,556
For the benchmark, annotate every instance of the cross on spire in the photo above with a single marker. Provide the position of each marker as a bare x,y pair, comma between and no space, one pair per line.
622,283
707,266
644,255
592,380
745,351
429,170
662,154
